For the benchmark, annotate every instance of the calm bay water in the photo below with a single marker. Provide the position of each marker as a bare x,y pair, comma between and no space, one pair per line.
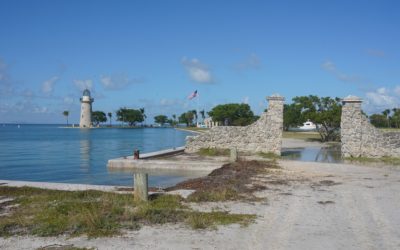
53,154
330,154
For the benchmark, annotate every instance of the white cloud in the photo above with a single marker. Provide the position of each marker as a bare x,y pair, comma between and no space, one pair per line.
197,71
24,107
330,67
167,102
376,53
48,85
68,100
117,82
382,98
246,100
28,93
40,110
397,90
83,84
251,62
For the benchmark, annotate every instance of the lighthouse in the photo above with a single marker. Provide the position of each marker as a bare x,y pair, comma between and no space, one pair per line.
86,110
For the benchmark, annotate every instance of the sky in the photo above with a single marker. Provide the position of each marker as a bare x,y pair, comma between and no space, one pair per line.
154,54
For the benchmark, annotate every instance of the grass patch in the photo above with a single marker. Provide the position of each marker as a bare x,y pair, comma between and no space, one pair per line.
213,152
386,160
308,136
206,220
44,212
269,155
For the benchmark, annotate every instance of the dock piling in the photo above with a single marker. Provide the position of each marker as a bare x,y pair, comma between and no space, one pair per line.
140,181
234,155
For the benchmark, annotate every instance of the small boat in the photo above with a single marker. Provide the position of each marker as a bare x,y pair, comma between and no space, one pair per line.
307,126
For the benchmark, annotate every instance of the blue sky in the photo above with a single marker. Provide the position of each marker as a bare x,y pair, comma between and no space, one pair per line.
153,54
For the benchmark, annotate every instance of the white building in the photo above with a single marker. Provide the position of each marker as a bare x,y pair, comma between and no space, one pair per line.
208,123
86,110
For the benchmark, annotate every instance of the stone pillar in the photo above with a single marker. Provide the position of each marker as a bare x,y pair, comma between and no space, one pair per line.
275,122
140,182
351,127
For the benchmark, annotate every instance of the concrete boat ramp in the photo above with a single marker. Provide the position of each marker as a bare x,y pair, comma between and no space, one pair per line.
167,162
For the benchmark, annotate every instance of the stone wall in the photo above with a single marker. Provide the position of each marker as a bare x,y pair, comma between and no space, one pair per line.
362,139
265,135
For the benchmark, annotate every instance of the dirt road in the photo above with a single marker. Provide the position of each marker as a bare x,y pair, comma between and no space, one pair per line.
313,206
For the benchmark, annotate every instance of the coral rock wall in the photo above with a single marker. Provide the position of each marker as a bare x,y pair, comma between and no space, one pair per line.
362,139
265,135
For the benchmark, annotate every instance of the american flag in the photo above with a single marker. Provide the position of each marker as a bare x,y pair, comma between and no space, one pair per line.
193,95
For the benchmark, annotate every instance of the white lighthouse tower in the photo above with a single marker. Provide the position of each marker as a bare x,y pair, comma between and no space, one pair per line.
86,110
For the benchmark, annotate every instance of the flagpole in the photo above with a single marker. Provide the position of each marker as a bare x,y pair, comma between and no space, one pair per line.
197,119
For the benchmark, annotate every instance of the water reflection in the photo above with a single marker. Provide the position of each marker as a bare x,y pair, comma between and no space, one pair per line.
330,154
84,147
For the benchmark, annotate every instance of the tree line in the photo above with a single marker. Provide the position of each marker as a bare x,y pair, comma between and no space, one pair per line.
325,112
232,114
389,118
125,115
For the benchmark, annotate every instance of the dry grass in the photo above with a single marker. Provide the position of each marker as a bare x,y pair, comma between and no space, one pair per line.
233,181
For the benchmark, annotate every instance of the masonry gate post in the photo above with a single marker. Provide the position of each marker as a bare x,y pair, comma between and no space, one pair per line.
351,127
275,117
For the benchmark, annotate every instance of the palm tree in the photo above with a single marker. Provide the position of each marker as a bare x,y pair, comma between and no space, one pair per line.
195,115
174,118
202,113
396,116
386,113
109,116
143,114
66,114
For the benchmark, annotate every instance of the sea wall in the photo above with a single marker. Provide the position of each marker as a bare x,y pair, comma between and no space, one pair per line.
265,135
360,138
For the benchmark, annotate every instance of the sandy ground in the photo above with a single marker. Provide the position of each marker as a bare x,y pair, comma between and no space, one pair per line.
322,206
